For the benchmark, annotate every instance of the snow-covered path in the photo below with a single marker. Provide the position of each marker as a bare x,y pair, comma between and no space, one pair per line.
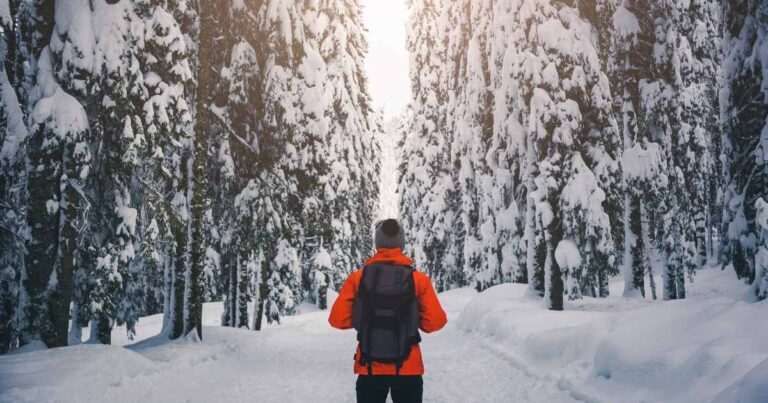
460,368
302,360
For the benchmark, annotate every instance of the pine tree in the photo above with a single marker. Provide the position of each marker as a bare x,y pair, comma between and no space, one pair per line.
677,102
283,283
743,119
322,269
566,149
59,151
505,151
474,126
235,156
262,217
633,36
206,87
761,258
116,97
13,191
167,119
350,165
280,26
425,176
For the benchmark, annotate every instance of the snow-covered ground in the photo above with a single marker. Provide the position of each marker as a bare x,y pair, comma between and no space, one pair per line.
632,350
499,346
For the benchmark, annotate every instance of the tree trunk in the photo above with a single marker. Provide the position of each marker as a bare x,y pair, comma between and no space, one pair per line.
636,247
177,282
206,83
259,314
241,292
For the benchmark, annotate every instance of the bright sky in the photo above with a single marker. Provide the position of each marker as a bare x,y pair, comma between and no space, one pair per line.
387,62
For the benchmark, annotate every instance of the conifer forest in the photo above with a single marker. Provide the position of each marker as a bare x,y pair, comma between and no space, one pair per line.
158,157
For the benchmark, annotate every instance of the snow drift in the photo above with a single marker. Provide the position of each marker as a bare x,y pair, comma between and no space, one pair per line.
707,347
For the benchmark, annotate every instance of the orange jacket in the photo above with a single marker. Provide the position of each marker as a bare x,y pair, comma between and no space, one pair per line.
432,315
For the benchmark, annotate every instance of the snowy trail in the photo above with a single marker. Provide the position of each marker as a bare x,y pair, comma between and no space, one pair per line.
460,368
302,360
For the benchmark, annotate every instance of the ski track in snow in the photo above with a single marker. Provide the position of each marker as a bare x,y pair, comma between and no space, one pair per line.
302,360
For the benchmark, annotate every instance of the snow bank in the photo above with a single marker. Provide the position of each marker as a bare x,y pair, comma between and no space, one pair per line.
87,371
618,350
279,364
753,387
520,327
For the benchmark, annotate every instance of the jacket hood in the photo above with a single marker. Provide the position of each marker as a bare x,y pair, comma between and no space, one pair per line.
393,255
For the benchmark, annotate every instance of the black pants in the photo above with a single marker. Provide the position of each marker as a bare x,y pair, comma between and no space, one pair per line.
374,389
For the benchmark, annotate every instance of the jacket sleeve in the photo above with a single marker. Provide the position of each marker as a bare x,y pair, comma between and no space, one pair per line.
432,315
341,312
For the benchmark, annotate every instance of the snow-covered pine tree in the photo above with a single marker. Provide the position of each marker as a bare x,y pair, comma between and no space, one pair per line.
274,198
505,154
573,143
238,147
520,69
676,103
351,187
696,70
761,257
261,217
313,215
60,149
425,175
34,27
13,190
658,97
743,100
603,240
60,156
283,283
322,269
113,293
704,32
206,117
473,130
168,131
31,34
633,32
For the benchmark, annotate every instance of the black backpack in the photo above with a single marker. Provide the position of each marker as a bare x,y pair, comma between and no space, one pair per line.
386,315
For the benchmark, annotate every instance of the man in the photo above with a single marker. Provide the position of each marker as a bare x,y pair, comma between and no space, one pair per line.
377,301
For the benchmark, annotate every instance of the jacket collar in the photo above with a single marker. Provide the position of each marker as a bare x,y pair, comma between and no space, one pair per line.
393,255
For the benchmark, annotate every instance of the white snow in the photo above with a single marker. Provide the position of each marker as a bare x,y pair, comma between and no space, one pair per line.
499,346
5,13
625,22
643,163
567,254
301,360
753,387
323,259
59,110
630,350
16,131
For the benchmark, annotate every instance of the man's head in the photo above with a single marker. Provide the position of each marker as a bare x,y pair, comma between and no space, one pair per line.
389,234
